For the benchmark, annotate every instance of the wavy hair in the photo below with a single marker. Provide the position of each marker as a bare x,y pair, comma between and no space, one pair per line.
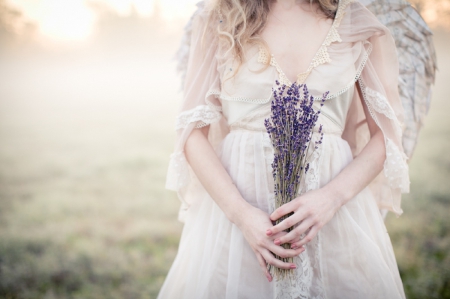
241,22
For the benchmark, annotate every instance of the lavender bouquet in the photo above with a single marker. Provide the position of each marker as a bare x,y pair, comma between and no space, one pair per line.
290,128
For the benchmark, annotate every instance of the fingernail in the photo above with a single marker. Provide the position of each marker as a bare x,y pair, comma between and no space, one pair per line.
294,247
268,232
277,242
293,266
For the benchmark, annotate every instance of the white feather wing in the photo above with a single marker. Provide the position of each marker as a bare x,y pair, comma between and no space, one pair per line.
417,60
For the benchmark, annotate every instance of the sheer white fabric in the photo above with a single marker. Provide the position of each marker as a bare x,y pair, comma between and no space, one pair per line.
352,256
200,106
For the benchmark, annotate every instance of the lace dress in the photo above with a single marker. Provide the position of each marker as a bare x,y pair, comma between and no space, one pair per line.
352,255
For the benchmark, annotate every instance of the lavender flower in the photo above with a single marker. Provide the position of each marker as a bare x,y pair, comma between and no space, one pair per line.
290,128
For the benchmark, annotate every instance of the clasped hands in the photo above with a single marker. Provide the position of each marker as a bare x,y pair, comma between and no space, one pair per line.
311,211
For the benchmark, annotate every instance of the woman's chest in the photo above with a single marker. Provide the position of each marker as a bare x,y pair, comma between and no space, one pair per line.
295,43
253,80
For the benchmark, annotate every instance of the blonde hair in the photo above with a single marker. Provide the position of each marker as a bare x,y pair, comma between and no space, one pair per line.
241,22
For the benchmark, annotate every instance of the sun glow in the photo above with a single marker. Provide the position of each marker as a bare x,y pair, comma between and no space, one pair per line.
67,19
74,20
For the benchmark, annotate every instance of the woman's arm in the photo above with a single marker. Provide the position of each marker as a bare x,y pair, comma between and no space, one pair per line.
315,208
251,221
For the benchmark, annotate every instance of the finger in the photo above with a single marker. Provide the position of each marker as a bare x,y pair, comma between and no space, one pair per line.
263,265
288,222
285,252
309,236
277,235
270,259
281,211
294,235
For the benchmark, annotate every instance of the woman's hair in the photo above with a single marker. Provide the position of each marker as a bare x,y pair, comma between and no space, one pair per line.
239,22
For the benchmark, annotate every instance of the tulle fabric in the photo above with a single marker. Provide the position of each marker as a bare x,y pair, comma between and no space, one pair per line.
379,84
351,257
200,106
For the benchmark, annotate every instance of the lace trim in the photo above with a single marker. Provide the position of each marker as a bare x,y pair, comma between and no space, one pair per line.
396,168
329,97
381,105
313,175
263,56
216,94
282,77
202,114
321,57
357,76
178,172
307,283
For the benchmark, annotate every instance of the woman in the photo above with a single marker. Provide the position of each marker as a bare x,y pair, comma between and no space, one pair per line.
222,171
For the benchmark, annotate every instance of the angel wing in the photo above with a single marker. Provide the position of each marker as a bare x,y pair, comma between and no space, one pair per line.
417,60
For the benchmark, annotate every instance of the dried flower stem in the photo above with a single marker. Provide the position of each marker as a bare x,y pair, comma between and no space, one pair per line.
290,128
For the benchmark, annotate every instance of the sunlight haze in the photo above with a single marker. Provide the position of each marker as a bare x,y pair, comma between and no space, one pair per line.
75,20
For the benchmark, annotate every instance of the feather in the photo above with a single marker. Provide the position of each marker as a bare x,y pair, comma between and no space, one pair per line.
417,62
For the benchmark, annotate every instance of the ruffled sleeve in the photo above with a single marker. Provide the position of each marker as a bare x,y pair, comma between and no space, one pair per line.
200,105
379,85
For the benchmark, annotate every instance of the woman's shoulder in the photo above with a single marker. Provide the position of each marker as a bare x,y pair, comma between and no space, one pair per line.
358,23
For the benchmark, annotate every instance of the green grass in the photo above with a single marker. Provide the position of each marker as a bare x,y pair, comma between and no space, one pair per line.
41,269
421,236
88,238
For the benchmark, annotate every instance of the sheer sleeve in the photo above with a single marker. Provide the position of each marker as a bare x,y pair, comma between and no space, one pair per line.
376,57
200,106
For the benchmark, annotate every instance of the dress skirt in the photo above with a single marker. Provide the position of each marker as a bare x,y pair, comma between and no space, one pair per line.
351,256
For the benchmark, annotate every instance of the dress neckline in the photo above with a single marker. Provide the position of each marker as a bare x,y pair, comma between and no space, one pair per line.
321,55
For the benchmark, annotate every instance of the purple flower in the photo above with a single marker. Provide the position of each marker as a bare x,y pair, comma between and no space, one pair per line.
290,128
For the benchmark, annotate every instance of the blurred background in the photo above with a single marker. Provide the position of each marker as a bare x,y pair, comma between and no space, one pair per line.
88,97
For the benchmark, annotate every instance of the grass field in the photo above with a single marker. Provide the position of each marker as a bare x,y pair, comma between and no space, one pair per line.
83,156
421,236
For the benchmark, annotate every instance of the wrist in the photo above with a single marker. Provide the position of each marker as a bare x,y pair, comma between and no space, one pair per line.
339,195
238,214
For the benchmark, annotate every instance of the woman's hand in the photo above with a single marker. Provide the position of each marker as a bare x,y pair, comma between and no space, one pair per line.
315,208
311,211
254,224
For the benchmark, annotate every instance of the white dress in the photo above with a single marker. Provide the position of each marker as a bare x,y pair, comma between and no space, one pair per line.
352,255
